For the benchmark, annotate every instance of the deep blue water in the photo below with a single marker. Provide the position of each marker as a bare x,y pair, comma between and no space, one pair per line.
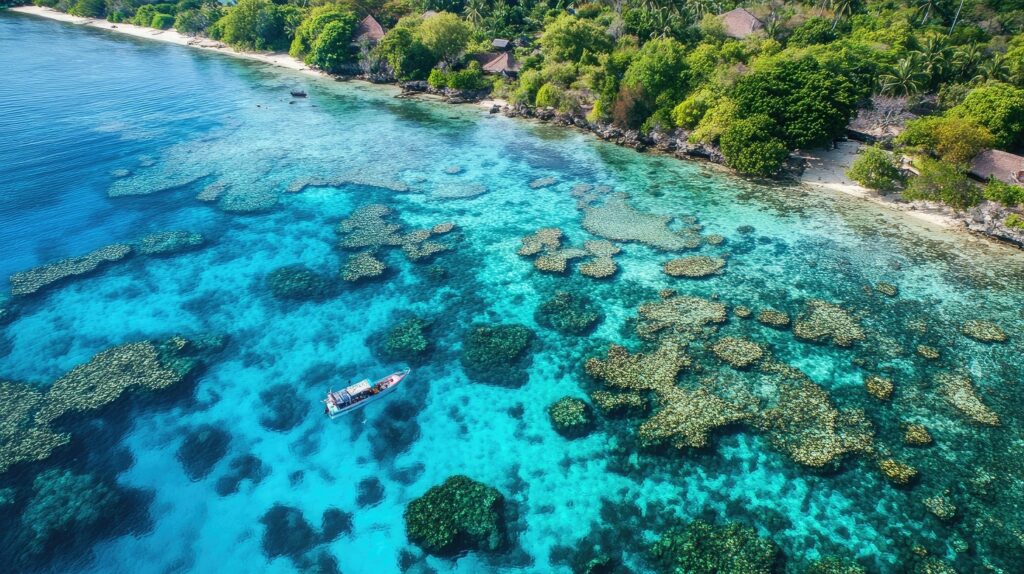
84,114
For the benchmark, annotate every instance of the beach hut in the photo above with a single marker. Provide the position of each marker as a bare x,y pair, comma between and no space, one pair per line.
739,23
501,44
1001,165
503,63
369,30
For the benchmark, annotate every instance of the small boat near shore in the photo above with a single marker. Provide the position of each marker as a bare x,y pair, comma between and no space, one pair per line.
298,93
361,394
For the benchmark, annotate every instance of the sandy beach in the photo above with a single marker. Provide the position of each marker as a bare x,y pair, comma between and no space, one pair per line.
826,169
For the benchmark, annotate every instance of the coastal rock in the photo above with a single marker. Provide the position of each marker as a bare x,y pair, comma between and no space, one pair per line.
39,278
571,417
694,267
167,242
459,515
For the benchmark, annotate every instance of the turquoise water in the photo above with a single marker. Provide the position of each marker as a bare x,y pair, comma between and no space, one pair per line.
86,115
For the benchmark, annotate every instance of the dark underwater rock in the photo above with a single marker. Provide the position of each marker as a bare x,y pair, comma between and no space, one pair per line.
245,467
496,354
459,515
299,283
395,430
283,408
288,533
568,313
202,449
65,503
334,523
371,492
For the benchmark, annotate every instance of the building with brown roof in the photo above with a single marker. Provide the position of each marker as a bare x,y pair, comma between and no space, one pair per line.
369,30
739,23
1001,165
503,63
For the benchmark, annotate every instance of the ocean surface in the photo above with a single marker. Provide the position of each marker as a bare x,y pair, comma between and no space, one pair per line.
107,139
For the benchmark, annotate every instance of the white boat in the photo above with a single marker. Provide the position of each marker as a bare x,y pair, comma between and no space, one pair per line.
360,394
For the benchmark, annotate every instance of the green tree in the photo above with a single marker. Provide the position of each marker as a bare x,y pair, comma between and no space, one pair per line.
875,169
568,37
999,107
813,31
904,79
89,9
691,111
954,139
260,25
446,36
1004,193
659,70
750,146
940,181
409,58
812,102
162,21
309,30
333,47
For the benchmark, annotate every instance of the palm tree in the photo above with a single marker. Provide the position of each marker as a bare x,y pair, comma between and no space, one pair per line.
841,8
474,11
905,78
698,8
927,6
967,59
934,57
957,17
994,68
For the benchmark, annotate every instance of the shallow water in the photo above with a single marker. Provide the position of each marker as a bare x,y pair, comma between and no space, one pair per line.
78,105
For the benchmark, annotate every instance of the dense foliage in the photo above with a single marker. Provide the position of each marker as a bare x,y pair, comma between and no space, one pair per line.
875,169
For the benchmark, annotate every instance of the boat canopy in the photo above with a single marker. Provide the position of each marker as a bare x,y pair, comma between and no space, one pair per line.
362,386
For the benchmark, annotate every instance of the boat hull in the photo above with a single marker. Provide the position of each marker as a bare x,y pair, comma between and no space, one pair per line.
362,403
357,396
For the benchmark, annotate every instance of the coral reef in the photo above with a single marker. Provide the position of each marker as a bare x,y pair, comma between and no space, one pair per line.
704,548
930,353
959,391
773,318
65,502
916,435
617,221
546,243
406,341
983,331
941,506
458,515
245,467
742,311
618,403
39,278
299,282
568,313
367,230
544,239
287,532
202,449
833,565
887,289
21,437
898,473
167,242
822,322
571,417
497,354
371,492
682,317
601,265
362,266
736,352
879,387
457,190
714,239
543,182
695,267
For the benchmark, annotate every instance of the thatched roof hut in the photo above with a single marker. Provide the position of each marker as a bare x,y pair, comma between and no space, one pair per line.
1001,165
502,63
500,44
369,30
739,23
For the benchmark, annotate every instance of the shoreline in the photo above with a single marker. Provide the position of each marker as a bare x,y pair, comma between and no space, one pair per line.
825,168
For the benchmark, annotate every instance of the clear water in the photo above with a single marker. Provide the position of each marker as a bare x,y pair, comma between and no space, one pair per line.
77,105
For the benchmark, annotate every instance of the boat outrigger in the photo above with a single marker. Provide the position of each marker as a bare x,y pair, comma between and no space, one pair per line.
360,394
